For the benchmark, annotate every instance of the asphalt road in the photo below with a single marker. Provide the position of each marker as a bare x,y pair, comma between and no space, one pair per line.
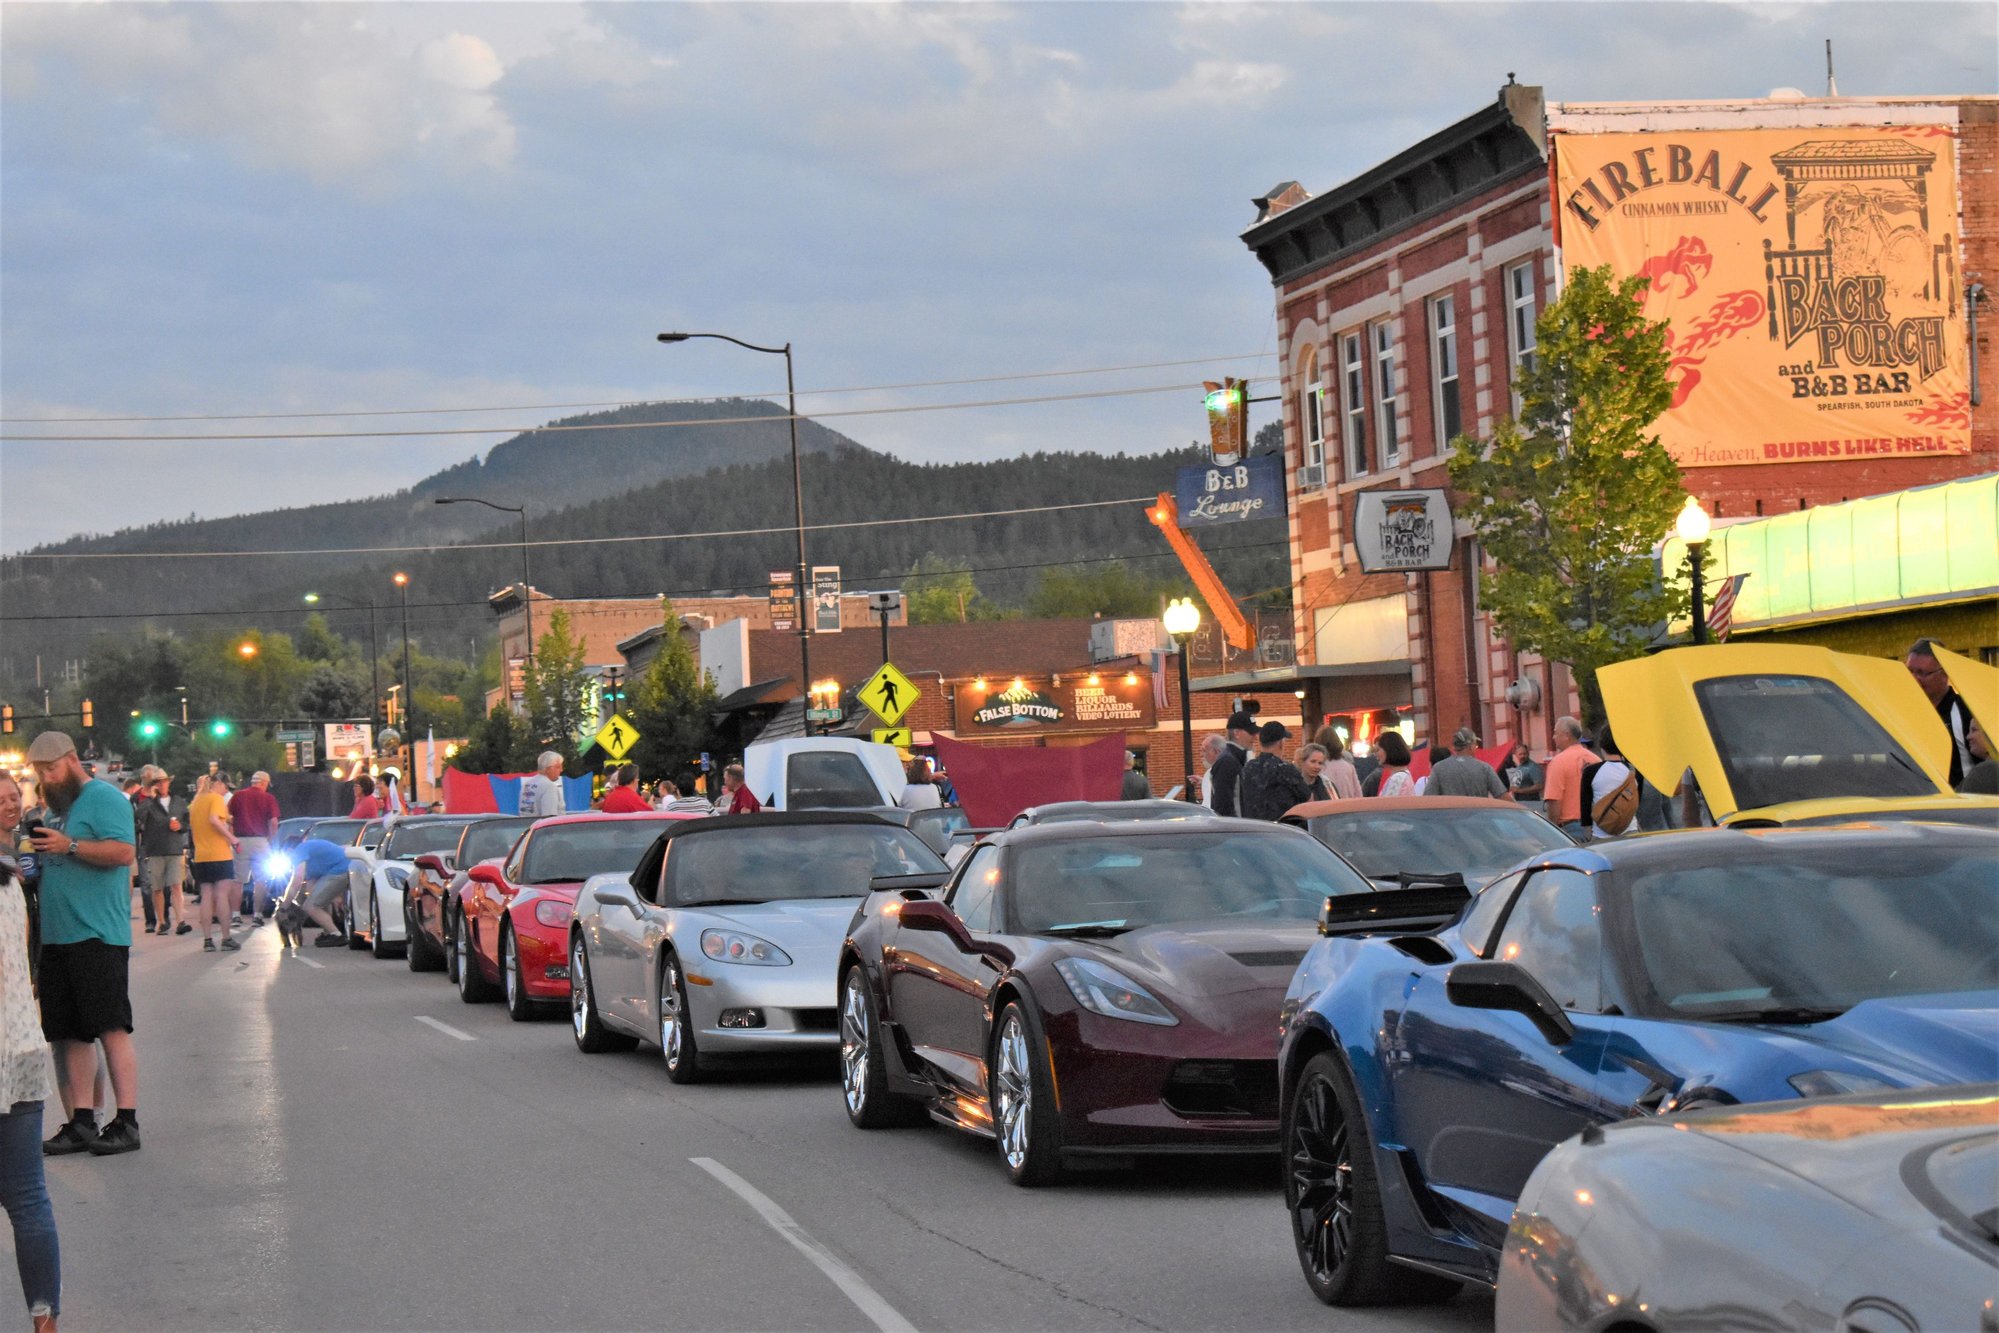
319,1156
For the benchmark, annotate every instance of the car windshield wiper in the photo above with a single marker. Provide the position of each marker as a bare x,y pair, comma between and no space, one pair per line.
1777,1014
1088,930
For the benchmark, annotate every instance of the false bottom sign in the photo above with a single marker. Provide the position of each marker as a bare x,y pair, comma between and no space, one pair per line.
1113,703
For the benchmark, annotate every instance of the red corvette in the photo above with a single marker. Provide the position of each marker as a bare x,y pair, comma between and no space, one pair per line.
511,931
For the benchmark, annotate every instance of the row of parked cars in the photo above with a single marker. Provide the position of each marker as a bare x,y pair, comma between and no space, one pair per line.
1729,1077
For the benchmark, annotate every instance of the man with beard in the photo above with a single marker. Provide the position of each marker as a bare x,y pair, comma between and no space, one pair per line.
86,846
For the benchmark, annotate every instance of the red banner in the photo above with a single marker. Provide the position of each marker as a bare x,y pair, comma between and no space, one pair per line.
996,782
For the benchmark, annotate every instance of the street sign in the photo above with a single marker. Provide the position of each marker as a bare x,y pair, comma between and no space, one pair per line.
783,599
293,735
618,736
823,715
899,737
889,693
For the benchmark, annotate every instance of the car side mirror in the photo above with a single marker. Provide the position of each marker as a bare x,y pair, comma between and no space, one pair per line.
1488,985
487,875
929,914
434,863
619,895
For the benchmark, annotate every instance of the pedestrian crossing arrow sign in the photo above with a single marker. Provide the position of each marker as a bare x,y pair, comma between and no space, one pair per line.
899,737
889,694
617,736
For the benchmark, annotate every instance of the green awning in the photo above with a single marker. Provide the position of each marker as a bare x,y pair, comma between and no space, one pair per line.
1927,546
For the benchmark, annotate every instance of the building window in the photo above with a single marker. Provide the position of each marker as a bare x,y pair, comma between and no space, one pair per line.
1384,376
1311,403
1444,369
1355,373
1521,301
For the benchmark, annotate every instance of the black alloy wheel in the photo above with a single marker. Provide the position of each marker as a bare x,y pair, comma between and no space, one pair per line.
1334,1196
472,987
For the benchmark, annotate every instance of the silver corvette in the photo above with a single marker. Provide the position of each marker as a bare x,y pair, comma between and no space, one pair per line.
725,938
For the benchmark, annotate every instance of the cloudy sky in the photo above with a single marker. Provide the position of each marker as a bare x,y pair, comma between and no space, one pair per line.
244,208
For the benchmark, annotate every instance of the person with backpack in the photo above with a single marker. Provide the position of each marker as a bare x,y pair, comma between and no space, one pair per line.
1612,788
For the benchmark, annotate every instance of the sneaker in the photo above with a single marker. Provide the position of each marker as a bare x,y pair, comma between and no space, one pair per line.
73,1137
260,921
208,946
235,921
183,929
329,941
116,1137
231,946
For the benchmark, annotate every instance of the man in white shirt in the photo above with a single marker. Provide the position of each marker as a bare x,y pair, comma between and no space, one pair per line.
541,794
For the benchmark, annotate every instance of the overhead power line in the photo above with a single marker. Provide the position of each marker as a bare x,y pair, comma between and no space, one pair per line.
575,541
641,402
440,431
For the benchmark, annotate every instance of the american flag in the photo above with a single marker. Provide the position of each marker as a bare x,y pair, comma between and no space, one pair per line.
1722,617
1159,680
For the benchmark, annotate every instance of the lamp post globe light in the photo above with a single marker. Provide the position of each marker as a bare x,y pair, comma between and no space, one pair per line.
1183,621
797,489
1692,528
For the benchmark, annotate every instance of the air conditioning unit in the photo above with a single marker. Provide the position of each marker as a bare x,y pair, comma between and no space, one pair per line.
1312,477
1112,639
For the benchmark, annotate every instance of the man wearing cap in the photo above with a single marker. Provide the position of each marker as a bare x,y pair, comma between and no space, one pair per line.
1227,770
87,847
1464,773
1270,785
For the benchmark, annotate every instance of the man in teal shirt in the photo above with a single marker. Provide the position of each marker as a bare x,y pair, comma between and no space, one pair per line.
87,847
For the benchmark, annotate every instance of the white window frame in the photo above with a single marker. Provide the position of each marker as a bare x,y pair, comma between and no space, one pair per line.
1521,312
1386,427
1444,385
1312,412
1353,369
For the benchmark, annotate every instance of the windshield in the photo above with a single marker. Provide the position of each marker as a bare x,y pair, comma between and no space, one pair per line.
341,831
1820,929
1128,882
406,842
828,779
1797,738
490,838
755,865
1115,812
1477,844
571,853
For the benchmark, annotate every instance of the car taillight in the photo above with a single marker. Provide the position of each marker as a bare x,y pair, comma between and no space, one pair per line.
554,912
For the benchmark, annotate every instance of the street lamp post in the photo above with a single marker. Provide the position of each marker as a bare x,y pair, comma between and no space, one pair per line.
374,655
797,488
1183,619
409,685
1692,527
527,594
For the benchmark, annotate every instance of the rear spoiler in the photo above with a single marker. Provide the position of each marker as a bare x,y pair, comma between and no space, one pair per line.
1417,910
904,884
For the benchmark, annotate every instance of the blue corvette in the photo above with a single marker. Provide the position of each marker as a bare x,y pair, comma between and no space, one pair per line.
1425,1074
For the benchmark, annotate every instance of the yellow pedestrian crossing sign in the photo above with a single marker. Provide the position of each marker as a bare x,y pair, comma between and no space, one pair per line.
618,736
899,737
889,694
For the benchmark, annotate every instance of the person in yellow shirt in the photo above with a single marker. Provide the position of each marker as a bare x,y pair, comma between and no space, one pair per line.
214,860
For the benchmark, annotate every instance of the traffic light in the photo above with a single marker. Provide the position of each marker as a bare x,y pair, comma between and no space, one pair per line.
221,728
1228,418
6,719
150,728
89,719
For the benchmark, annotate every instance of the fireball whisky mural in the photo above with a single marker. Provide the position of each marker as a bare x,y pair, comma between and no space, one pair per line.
1808,277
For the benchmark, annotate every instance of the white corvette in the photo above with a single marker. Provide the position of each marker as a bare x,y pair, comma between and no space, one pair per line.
375,914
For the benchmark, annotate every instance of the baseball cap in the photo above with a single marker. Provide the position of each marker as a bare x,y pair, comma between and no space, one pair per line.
1465,739
1273,732
1242,721
49,747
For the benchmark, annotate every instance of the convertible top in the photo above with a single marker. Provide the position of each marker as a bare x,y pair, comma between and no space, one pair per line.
648,867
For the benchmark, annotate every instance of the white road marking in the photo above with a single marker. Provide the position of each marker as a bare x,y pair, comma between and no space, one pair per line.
312,963
865,1298
445,1028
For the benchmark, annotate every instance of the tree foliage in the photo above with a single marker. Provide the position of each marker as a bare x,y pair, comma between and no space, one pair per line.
1104,590
557,689
940,590
500,745
1571,498
672,705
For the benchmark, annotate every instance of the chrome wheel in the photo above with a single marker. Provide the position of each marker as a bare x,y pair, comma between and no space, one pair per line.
510,966
854,1037
1320,1183
579,989
1014,1083
671,1021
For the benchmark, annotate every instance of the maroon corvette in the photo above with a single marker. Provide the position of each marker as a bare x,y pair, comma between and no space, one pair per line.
1086,988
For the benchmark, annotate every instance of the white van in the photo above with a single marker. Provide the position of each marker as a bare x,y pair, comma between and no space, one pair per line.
823,773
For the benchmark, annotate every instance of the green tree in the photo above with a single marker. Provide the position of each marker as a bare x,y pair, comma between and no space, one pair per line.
940,591
329,693
672,705
318,643
1571,499
1106,590
557,688
501,745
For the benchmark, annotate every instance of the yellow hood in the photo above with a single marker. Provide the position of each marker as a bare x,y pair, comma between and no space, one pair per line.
1661,729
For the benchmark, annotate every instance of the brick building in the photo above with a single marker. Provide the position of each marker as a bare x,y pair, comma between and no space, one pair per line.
604,622
1406,297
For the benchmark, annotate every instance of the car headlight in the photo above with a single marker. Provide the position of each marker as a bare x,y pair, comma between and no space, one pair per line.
728,946
1836,1083
554,913
1104,990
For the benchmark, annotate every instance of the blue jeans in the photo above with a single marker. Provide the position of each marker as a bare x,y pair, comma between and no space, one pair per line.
1577,830
25,1195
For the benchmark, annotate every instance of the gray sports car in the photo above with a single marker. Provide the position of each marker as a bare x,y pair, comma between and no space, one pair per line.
1866,1212
725,937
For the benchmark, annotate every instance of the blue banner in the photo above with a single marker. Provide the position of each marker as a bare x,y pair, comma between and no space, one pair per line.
1252,488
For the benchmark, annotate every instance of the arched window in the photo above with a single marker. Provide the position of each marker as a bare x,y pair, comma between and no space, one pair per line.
1311,409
